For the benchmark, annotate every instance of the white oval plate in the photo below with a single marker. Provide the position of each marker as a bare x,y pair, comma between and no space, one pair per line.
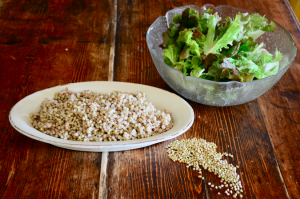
182,113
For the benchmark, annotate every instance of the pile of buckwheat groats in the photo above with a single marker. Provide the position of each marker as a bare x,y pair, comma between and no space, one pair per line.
92,116
197,152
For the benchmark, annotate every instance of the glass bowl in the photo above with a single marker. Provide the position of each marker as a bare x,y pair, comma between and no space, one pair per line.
219,93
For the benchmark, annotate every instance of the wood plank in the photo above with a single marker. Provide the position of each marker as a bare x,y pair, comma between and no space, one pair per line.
280,106
45,44
112,41
103,176
240,130
133,61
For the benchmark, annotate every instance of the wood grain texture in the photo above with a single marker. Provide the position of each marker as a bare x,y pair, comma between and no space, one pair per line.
45,44
113,23
50,43
103,176
133,61
280,106
262,137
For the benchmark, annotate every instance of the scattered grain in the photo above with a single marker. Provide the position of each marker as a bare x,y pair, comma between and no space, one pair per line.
195,152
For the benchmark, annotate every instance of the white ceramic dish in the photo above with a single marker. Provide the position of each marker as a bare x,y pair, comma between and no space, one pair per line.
182,114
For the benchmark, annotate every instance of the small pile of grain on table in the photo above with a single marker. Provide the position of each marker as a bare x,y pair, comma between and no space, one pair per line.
198,152
92,116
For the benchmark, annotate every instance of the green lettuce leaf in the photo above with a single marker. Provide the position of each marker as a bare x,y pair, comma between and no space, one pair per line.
173,30
197,71
196,60
258,26
167,40
245,67
185,37
199,37
184,66
232,33
185,53
209,42
172,53
202,23
268,66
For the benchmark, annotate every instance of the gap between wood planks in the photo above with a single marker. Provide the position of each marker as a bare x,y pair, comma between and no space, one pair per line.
113,25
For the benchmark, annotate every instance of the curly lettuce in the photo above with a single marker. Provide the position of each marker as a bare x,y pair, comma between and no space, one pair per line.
206,47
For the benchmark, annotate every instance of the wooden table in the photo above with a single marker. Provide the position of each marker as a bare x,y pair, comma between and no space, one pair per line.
48,43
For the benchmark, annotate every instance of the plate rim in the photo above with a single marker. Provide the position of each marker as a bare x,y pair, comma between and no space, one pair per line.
106,144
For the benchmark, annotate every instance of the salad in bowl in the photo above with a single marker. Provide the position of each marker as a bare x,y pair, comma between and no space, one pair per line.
219,56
